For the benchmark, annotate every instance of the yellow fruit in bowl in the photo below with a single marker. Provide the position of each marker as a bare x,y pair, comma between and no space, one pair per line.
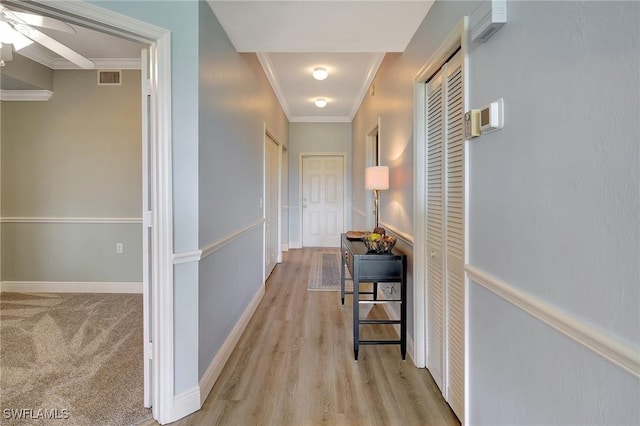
374,237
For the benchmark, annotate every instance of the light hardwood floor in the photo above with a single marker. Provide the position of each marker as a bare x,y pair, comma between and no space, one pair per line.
294,366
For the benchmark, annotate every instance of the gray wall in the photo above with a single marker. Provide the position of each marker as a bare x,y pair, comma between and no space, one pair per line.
314,137
74,156
235,103
220,103
554,201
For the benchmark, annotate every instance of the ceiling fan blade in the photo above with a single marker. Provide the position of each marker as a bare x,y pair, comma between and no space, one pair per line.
44,22
57,47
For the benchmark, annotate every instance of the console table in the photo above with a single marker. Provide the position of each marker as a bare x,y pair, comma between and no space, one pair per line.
374,268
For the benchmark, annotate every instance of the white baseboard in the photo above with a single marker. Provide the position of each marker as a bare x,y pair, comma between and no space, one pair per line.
295,245
70,287
285,247
215,368
186,403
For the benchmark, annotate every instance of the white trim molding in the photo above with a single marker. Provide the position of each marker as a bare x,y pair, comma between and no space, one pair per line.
407,238
25,95
186,403
70,287
187,256
215,368
267,67
211,248
619,353
41,56
81,220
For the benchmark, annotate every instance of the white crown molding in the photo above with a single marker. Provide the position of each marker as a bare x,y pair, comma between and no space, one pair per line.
376,60
25,95
320,119
102,64
617,352
267,66
56,63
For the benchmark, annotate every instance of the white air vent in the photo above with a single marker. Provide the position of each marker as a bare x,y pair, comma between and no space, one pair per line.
109,78
488,18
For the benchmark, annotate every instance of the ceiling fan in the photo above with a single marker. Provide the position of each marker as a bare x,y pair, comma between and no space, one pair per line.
16,29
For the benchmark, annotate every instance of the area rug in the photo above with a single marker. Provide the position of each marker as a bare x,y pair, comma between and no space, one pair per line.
72,359
325,272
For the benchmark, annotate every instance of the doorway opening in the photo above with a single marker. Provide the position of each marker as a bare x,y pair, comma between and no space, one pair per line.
158,305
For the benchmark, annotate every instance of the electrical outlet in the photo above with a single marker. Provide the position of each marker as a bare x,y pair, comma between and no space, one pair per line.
119,248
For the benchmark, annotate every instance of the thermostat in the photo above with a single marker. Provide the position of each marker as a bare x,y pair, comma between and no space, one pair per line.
472,123
492,117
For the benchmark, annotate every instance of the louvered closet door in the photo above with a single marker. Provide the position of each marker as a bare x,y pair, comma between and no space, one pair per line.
445,212
435,229
455,232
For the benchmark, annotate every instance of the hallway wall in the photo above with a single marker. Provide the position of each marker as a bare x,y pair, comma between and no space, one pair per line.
554,201
236,102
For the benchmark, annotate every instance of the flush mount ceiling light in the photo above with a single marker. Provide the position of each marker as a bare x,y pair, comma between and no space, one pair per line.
321,102
320,73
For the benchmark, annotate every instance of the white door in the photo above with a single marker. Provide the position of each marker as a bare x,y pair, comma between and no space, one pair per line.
435,231
271,206
445,226
322,200
455,233
146,229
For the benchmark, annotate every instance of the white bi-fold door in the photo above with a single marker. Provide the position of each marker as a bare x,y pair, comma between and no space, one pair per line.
445,245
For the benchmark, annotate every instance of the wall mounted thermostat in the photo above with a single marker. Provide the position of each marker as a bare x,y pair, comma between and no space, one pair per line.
472,123
492,117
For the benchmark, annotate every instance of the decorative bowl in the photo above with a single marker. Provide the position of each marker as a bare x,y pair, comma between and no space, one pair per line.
382,244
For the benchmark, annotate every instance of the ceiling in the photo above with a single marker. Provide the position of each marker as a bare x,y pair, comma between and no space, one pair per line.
291,38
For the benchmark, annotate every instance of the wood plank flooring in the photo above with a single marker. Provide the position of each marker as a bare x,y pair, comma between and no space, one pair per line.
294,366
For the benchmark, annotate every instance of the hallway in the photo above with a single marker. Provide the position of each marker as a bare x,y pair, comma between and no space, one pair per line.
294,366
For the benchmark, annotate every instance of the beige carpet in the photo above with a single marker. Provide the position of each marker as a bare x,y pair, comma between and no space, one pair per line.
71,359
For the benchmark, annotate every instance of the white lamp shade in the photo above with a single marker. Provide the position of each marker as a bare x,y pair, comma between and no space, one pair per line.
376,177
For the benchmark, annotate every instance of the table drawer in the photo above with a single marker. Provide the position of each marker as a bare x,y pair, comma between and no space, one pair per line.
380,270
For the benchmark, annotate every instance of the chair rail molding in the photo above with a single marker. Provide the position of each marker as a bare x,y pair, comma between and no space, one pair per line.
617,352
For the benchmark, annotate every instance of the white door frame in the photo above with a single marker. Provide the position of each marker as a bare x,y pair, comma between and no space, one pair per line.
344,186
267,134
458,38
160,129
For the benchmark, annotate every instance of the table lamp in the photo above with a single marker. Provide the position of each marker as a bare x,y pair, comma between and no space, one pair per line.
376,178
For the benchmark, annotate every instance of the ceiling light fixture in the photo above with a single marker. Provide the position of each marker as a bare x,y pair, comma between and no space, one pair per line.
321,102
320,73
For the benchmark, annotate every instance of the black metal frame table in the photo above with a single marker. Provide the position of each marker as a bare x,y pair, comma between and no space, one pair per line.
374,268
